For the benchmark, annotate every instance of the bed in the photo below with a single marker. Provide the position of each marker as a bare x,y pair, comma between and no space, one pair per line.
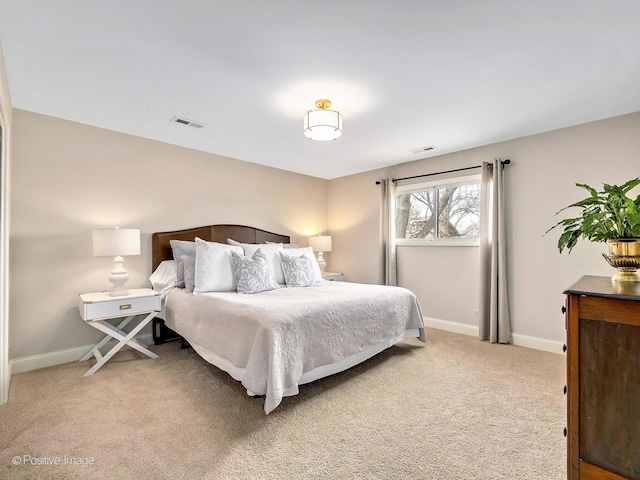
278,339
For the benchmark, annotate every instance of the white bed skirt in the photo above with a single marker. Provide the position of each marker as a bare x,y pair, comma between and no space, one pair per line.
322,371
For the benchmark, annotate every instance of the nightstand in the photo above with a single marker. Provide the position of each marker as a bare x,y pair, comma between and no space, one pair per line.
96,308
333,277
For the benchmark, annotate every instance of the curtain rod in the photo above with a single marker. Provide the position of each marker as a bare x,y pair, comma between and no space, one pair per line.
504,162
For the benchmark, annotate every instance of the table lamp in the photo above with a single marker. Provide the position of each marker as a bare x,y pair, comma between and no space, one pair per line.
320,244
117,242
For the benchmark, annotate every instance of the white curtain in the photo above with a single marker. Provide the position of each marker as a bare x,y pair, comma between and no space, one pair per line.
387,231
495,324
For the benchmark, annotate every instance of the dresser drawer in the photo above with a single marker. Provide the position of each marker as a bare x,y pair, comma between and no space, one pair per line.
101,306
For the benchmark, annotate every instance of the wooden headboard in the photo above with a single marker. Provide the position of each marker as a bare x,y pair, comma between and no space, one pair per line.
161,249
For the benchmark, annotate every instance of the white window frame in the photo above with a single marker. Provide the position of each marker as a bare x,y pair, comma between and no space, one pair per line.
436,184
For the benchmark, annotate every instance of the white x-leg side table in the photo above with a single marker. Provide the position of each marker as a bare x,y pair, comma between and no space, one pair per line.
96,308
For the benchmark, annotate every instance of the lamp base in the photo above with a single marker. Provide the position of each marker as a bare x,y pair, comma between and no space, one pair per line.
118,277
118,292
321,262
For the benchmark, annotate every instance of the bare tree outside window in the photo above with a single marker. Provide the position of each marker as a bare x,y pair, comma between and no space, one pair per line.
440,212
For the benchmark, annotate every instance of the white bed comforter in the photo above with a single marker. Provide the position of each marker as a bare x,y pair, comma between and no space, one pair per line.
270,339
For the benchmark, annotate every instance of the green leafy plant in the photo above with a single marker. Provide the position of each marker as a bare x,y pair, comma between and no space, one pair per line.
608,214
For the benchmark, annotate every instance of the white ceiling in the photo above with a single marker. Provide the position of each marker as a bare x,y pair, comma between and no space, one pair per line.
404,73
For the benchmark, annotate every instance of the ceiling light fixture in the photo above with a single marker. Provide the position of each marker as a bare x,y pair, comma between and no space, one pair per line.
322,124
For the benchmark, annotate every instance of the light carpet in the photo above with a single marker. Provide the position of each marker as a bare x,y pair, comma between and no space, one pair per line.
455,408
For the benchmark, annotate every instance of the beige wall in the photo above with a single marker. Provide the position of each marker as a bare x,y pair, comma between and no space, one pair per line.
69,178
539,182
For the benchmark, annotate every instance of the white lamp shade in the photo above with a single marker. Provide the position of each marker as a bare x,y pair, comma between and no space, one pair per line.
320,243
116,242
323,124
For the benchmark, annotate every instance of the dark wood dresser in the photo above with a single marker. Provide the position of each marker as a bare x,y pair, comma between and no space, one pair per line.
603,379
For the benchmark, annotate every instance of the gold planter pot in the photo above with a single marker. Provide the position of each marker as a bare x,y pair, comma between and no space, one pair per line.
624,254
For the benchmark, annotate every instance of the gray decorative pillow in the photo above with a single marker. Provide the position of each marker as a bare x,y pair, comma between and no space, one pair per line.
307,252
189,264
253,275
298,271
181,248
271,252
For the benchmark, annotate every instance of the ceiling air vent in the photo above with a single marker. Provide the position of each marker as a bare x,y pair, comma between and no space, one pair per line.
423,149
186,121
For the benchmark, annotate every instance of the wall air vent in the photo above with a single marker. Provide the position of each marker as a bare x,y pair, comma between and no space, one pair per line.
423,149
186,121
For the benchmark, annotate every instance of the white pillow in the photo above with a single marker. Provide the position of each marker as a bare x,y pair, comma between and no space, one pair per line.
270,251
164,277
285,245
214,272
307,252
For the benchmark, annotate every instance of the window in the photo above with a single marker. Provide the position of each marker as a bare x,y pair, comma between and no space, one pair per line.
443,213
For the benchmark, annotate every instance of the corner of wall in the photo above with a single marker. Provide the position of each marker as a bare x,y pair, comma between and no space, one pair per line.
5,162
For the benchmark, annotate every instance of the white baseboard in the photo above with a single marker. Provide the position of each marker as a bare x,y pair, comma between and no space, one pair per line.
449,326
43,360
538,343
528,341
